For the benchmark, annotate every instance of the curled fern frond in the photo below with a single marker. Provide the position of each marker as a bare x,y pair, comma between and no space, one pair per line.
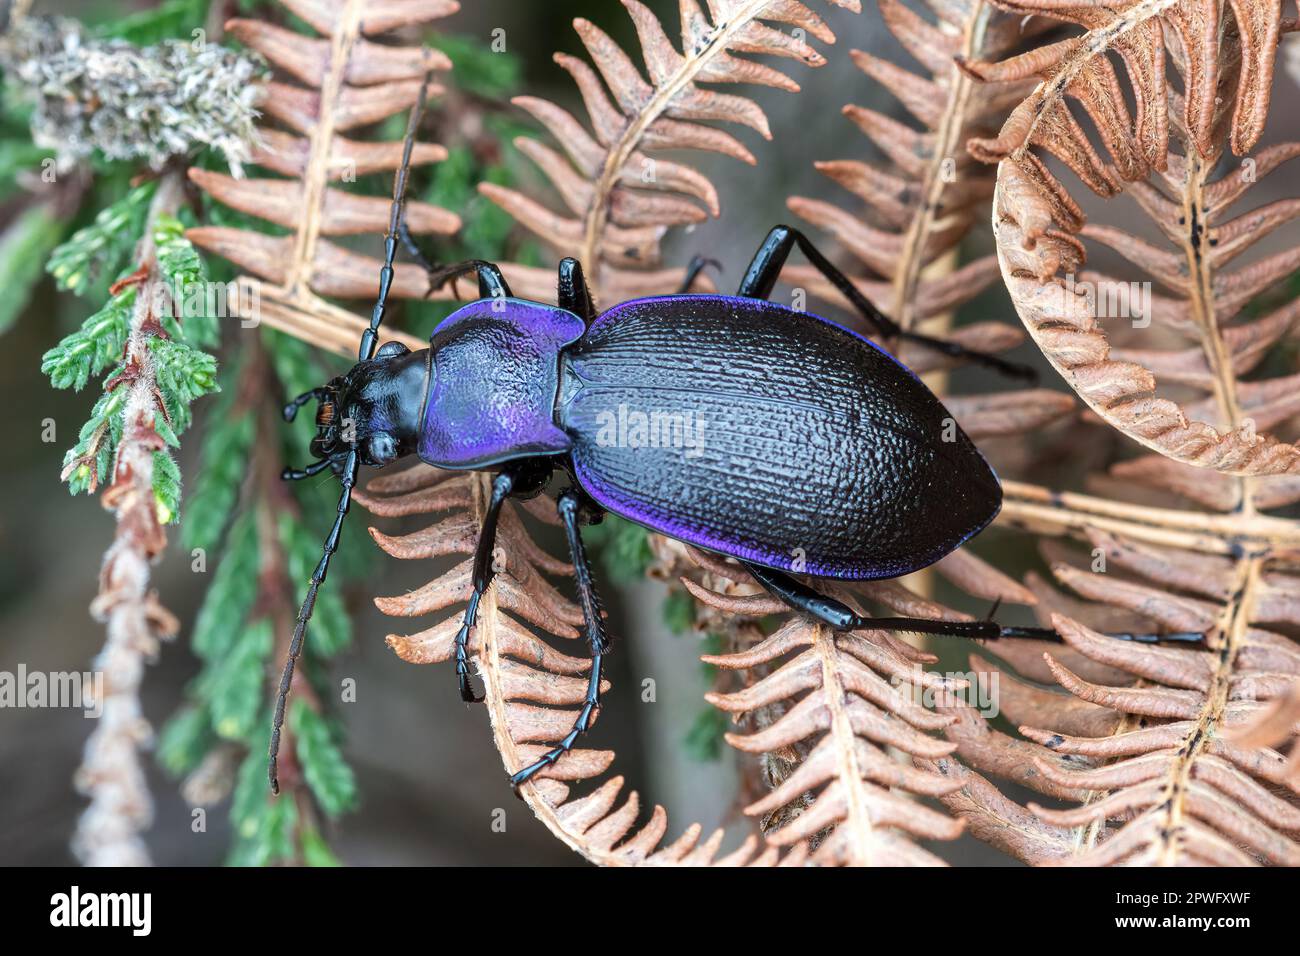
1229,422
621,197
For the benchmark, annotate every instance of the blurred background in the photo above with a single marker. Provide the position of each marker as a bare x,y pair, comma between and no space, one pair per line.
429,776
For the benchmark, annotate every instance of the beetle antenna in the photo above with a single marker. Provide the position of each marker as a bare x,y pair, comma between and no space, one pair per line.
348,471
396,224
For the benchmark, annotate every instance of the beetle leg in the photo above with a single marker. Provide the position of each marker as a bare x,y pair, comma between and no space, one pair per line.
569,503
573,293
841,617
765,268
697,265
491,283
502,485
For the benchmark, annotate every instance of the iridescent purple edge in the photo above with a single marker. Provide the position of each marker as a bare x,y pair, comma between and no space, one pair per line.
462,427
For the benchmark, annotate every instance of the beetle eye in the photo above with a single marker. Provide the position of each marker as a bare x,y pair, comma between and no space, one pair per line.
381,449
389,349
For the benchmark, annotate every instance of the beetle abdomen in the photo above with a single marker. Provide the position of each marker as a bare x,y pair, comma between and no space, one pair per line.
770,435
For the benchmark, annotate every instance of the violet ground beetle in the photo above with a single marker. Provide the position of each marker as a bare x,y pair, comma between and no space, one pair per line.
824,455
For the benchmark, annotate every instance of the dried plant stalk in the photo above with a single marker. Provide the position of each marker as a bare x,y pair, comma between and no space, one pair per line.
348,81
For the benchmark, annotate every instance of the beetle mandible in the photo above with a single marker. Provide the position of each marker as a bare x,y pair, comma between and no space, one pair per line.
819,443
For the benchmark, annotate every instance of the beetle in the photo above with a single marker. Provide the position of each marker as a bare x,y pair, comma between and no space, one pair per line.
824,455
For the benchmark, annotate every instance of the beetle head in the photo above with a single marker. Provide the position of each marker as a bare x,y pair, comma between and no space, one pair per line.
375,408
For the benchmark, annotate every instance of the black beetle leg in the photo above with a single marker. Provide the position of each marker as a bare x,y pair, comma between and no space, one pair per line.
573,293
502,487
760,279
491,283
697,265
568,503
841,617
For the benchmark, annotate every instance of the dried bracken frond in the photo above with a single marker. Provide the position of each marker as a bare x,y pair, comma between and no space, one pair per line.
843,692
1277,728
933,193
620,197
1210,340
1212,50
531,689
1168,750
343,80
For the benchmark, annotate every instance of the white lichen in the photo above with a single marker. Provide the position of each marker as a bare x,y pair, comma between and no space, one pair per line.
139,104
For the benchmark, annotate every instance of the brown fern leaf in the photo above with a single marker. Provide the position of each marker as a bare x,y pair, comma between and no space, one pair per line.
921,206
1152,742
620,197
1276,727
531,689
341,81
1186,398
837,688
826,706
1209,47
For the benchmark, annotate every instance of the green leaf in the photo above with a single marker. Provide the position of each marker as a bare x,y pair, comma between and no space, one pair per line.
92,348
480,69
233,684
331,626
23,248
624,548
232,592
705,738
184,741
327,773
194,301
166,487
315,851
264,826
101,248
227,447
170,20
679,611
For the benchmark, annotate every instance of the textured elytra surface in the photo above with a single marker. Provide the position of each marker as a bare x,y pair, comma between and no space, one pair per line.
1162,809
773,436
1202,292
